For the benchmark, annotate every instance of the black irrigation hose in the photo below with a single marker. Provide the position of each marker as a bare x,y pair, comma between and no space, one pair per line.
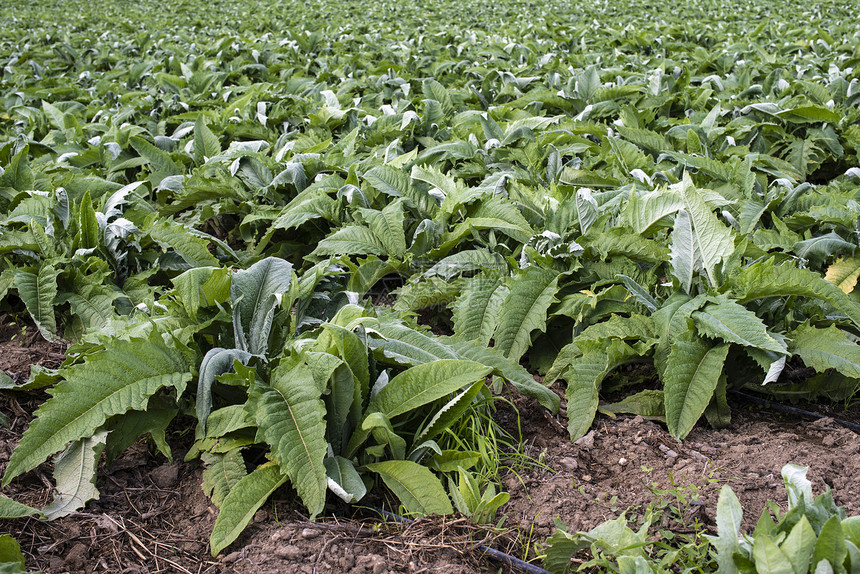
506,559
792,410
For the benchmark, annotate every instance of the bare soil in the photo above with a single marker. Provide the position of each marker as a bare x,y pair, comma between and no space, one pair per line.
153,517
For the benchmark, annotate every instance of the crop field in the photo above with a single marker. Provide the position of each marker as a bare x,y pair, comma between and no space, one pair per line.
514,270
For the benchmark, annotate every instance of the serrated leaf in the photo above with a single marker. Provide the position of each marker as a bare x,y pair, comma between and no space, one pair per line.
193,249
290,417
407,346
351,240
531,294
765,279
38,289
111,382
821,247
735,323
824,349
692,373
647,403
206,144
202,287
75,476
686,258
508,369
240,505
715,240
159,160
222,474
418,489
425,383
477,310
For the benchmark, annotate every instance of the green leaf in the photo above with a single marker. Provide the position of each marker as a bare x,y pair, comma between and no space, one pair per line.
477,310
202,287
509,370
647,404
407,346
824,349
344,480
158,159
769,559
531,294
111,382
830,545
822,247
418,489
448,414
692,373
75,474
291,418
729,517
387,226
735,323
193,249
425,383
799,545
714,240
766,279
241,503
206,144
12,509
222,475
88,232
11,557
216,362
38,289
686,258
351,240
256,293
127,428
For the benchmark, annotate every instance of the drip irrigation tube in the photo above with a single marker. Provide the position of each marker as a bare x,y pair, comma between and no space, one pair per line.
508,560
792,410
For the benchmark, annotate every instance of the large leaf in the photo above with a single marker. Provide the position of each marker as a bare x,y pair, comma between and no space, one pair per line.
240,505
735,323
686,258
407,346
425,383
525,307
418,489
844,273
206,144
38,289
714,240
824,349
222,475
344,480
477,310
290,418
692,373
13,509
111,382
193,249
75,475
216,362
256,293
766,279
351,240
509,370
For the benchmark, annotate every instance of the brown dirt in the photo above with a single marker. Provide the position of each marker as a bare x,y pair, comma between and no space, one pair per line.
153,517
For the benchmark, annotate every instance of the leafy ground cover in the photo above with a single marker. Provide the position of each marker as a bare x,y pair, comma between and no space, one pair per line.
333,236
